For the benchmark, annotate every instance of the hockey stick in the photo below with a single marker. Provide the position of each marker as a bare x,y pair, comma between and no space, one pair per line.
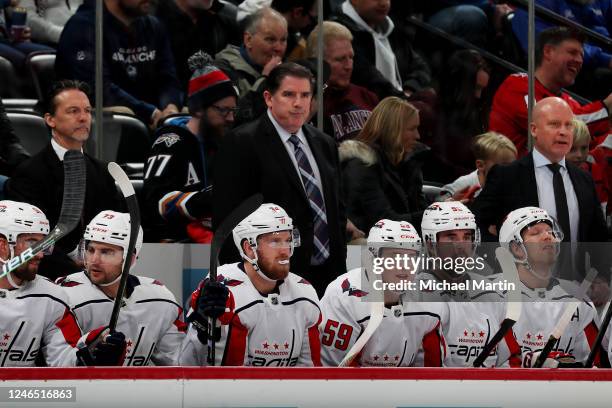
569,311
220,235
600,335
132,203
513,303
377,311
72,206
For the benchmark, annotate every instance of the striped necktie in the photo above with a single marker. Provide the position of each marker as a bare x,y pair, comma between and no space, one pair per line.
317,205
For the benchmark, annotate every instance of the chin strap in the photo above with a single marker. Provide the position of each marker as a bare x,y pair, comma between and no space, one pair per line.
527,265
9,277
255,265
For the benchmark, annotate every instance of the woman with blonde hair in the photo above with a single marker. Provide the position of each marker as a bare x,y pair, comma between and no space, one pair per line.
373,182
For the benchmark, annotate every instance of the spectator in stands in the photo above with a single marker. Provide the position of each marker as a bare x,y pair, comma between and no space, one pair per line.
263,46
559,57
385,62
301,15
602,155
47,18
346,106
579,157
291,164
15,46
194,25
372,182
40,179
472,20
489,149
178,179
593,14
459,114
12,152
596,15
530,181
139,71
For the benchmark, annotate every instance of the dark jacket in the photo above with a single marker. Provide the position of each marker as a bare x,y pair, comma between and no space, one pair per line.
247,78
139,68
210,33
414,70
373,188
513,186
11,151
252,159
40,181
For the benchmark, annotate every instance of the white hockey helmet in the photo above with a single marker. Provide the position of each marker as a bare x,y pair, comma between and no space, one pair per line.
111,227
516,221
21,218
448,216
393,234
266,219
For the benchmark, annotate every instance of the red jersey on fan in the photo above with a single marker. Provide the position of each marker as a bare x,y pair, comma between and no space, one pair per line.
509,111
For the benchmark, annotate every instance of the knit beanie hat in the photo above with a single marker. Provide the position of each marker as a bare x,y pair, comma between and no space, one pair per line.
208,83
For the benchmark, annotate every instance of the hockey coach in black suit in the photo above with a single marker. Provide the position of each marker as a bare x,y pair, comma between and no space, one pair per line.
293,165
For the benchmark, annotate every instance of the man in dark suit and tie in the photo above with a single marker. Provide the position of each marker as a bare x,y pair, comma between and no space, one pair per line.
545,179
293,165
40,179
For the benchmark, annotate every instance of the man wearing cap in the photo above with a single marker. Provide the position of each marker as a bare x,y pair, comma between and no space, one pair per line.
178,179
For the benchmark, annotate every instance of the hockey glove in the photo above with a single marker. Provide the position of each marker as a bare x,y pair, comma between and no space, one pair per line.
210,304
555,359
101,348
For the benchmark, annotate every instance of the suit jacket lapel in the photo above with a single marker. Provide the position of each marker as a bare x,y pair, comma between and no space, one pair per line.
528,180
279,152
578,188
54,163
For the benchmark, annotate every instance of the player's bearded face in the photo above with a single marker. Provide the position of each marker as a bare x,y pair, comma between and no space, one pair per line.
103,262
273,254
28,271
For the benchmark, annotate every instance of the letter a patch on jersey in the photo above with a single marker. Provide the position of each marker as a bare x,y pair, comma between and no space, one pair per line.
192,176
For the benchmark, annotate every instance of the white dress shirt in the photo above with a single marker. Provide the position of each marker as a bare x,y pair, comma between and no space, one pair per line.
546,191
59,150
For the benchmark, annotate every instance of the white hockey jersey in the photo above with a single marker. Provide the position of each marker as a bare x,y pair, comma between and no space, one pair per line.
150,318
36,319
471,317
405,327
277,330
541,310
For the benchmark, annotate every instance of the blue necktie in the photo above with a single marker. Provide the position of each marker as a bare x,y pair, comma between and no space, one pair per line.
317,205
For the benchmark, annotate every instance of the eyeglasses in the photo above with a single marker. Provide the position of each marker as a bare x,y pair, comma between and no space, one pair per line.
223,111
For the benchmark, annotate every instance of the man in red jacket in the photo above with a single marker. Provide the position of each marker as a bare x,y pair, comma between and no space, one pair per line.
559,57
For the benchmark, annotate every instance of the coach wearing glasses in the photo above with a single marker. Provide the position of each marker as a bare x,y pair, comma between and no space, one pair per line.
178,173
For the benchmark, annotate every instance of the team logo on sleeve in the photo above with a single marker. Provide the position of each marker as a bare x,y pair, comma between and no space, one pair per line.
352,291
169,139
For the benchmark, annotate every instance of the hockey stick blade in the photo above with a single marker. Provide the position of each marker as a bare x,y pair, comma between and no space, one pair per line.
513,303
565,318
222,232
72,206
377,311
129,194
